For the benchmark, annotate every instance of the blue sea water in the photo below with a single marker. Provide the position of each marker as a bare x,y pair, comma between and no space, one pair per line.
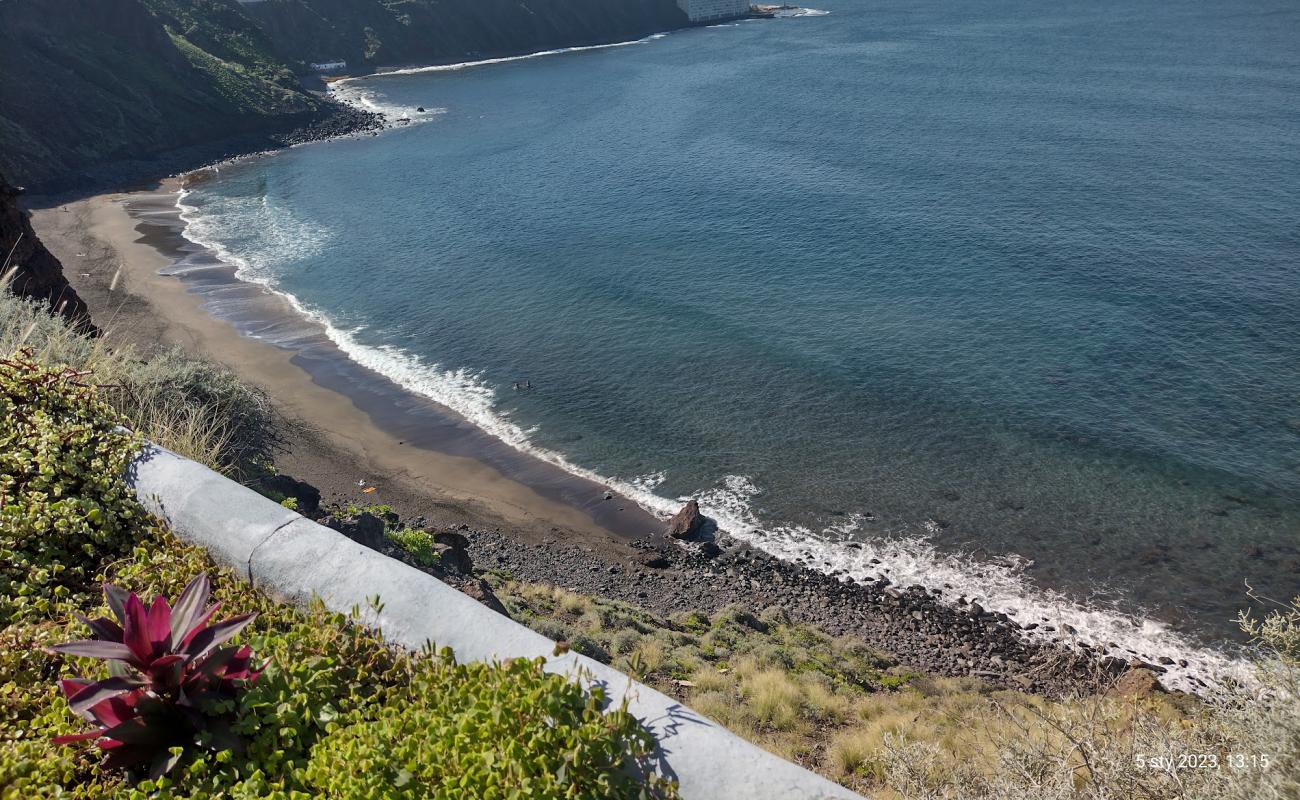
998,277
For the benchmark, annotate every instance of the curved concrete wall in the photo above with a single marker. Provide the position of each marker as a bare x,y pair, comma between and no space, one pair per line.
294,559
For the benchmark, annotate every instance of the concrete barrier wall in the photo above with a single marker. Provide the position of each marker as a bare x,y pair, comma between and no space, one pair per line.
294,559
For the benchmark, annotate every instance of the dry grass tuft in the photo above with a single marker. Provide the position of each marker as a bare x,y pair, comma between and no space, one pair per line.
192,407
835,706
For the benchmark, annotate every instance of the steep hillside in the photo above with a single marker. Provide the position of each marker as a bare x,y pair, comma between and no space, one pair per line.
32,270
369,33
93,82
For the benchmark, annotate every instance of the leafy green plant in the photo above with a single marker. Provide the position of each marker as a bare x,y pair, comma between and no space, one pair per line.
1278,633
508,730
416,542
167,674
64,502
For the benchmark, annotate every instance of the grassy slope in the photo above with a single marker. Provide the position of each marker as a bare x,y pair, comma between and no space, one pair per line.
831,704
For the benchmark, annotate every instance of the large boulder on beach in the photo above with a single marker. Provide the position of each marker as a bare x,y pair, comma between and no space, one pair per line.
308,496
365,529
452,539
455,560
686,523
1136,682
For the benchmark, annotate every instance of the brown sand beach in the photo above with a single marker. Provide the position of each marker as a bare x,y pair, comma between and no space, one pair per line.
350,429
113,247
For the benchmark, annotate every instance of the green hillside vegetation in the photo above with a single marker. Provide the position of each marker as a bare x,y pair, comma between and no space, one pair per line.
337,712
223,31
854,716
342,714
107,80
188,81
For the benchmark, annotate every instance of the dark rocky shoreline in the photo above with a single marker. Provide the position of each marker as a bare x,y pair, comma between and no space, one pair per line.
666,575
129,174
915,626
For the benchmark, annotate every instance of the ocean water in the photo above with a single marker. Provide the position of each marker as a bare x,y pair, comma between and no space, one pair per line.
1007,291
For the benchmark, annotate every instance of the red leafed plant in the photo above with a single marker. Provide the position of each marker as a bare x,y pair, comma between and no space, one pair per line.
166,668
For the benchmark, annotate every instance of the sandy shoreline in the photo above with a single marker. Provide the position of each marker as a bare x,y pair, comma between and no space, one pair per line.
347,424
122,236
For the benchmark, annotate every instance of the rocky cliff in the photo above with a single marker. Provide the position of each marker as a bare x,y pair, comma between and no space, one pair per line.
89,83
369,33
92,81
32,270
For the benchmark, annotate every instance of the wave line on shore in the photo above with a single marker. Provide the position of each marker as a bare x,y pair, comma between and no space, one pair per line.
460,65
906,559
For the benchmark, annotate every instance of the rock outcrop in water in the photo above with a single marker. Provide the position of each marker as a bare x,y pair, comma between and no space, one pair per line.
32,270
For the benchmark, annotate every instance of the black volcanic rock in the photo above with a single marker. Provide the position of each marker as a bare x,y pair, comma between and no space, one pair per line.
308,496
365,529
36,273
687,523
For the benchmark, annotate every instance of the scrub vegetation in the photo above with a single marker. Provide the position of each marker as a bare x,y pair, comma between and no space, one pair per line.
142,705
337,712
856,717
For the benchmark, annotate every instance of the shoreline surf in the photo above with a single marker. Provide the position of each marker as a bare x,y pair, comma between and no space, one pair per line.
904,560
998,585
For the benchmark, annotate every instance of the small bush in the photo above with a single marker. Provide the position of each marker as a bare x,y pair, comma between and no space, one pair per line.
508,730
169,678
773,699
589,647
417,543
65,506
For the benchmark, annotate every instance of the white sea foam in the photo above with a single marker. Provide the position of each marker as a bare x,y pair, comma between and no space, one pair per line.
996,585
503,60
801,12
282,235
368,98
904,558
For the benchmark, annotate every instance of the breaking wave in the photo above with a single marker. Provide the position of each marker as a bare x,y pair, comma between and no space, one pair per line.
502,60
908,558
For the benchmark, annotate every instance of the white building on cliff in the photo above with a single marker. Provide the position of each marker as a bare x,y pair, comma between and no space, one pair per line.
709,10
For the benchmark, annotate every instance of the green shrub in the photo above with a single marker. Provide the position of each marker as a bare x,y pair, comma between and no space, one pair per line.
64,502
416,542
508,730
338,713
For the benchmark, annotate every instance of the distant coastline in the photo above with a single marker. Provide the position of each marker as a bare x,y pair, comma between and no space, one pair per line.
401,415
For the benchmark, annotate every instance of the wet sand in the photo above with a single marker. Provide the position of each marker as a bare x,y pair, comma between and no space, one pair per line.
148,287
345,424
